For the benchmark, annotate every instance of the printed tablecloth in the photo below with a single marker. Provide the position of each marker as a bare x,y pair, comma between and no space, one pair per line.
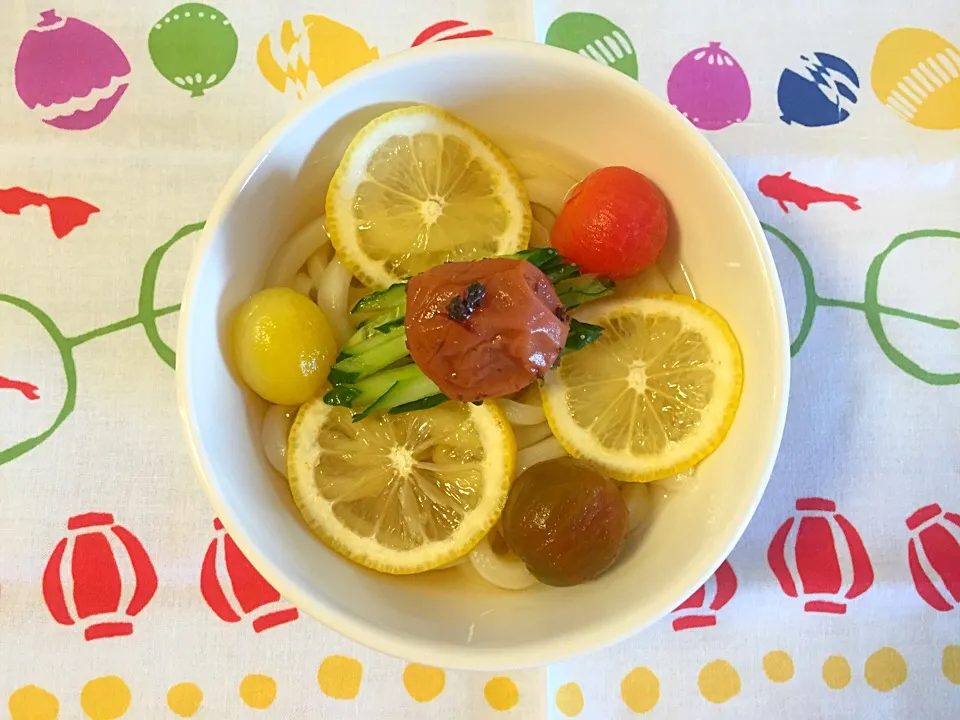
120,594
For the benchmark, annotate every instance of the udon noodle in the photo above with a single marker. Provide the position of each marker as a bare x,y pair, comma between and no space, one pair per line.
307,263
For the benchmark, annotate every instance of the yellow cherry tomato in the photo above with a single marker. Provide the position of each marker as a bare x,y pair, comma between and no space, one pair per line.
283,345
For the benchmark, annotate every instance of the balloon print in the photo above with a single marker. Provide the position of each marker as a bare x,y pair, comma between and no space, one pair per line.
916,73
934,556
700,609
820,93
596,38
99,577
235,590
449,30
312,55
71,73
193,46
818,556
710,88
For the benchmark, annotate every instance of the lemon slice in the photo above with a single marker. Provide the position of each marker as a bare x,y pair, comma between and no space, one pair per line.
418,187
654,395
401,493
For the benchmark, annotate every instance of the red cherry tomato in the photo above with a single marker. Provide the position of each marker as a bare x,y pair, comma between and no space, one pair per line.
614,223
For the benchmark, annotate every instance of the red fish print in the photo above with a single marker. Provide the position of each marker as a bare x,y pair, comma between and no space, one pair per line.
441,31
66,213
24,388
784,189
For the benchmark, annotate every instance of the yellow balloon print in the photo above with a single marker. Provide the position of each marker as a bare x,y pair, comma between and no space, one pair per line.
836,672
640,690
312,55
501,693
32,703
423,683
778,666
184,699
718,681
885,670
258,691
570,699
916,73
105,698
339,677
951,663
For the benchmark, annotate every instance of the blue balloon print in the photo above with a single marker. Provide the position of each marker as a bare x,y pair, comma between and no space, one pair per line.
821,94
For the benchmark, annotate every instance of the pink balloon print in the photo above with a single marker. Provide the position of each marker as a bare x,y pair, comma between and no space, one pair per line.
710,88
71,73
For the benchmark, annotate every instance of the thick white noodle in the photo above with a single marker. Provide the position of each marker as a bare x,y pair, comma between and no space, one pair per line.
528,435
504,571
547,192
522,414
295,252
317,263
674,484
639,502
539,236
302,284
276,429
543,216
332,297
549,449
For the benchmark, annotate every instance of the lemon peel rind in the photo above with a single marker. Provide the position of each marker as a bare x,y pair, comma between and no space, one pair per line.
621,465
499,461
352,170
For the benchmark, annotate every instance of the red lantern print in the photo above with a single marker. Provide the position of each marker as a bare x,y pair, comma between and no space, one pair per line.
699,610
819,556
449,30
99,577
934,556
234,589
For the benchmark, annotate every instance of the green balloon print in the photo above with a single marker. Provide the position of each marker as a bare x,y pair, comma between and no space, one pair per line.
193,46
596,38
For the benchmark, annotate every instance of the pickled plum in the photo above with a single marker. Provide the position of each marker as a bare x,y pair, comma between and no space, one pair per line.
566,521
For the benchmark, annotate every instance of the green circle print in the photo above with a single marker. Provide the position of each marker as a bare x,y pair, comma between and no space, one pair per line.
193,46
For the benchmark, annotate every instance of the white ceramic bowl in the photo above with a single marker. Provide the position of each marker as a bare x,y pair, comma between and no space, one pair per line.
554,99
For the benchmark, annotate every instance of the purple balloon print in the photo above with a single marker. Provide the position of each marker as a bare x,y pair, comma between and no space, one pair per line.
710,88
71,73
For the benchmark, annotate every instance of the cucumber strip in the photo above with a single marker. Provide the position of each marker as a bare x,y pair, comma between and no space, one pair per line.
374,406
342,395
576,291
375,340
581,335
423,404
358,367
382,300
390,326
369,326
536,256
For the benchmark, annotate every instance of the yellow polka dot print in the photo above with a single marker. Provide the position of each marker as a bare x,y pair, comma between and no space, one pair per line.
423,683
836,672
105,698
778,666
718,681
258,691
32,703
570,699
339,677
640,690
885,670
951,663
184,699
501,693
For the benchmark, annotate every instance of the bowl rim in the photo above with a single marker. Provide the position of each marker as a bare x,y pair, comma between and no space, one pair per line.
575,642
